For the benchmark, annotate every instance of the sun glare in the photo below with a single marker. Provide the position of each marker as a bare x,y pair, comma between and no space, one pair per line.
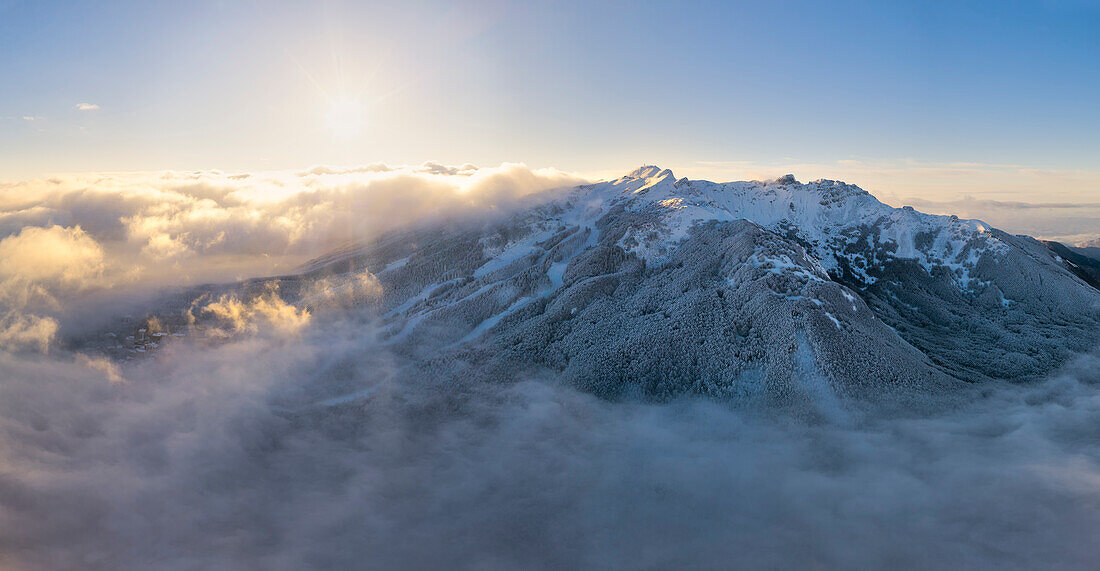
345,117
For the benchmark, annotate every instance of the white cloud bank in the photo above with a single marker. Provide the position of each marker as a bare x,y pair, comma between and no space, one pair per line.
87,107
66,240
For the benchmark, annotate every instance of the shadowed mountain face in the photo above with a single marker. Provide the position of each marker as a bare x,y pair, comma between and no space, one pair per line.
1092,252
755,291
1082,262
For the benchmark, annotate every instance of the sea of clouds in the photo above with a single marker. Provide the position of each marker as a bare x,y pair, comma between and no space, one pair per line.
218,455
1071,223
215,457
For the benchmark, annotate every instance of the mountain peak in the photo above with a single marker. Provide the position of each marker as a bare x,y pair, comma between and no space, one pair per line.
786,179
648,171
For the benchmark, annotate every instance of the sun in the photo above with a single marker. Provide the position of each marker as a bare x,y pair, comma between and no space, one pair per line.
344,117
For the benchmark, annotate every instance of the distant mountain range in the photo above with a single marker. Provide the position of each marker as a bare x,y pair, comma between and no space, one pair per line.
650,285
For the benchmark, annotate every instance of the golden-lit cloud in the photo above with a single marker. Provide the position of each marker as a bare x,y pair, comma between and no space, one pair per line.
40,267
66,256
264,313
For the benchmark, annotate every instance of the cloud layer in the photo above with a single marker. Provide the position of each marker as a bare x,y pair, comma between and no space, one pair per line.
220,457
1075,224
63,239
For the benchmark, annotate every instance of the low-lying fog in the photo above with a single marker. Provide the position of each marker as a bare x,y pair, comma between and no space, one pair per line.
210,456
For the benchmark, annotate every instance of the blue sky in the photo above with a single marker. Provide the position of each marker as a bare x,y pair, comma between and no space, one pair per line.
888,93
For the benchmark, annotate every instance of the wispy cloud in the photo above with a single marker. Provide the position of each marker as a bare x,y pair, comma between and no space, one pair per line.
970,201
87,106
895,179
30,118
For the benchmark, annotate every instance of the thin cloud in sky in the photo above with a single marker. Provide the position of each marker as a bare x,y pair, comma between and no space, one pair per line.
891,179
87,107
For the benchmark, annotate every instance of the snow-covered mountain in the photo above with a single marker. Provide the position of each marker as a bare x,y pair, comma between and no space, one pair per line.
649,285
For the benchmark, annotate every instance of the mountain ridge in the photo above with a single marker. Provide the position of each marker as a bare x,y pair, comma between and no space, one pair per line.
649,285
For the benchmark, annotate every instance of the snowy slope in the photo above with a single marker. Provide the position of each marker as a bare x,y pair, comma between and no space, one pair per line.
842,224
